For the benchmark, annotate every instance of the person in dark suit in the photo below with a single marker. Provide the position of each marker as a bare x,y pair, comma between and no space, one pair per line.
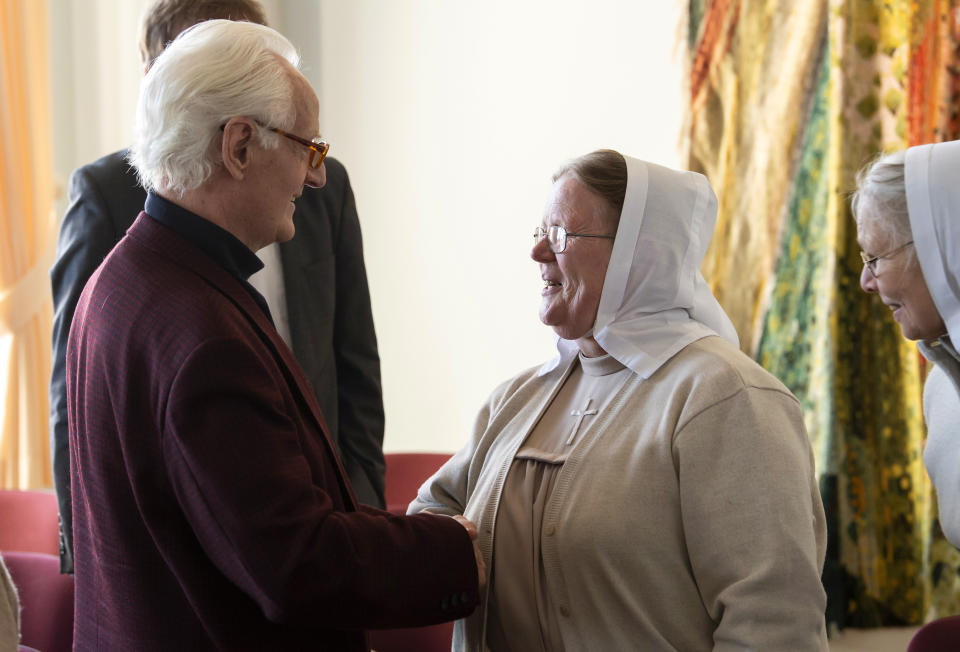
210,508
329,324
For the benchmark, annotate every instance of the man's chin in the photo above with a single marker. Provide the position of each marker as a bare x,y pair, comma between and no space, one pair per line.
286,233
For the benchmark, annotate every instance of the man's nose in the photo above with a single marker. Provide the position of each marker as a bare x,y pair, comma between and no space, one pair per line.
316,177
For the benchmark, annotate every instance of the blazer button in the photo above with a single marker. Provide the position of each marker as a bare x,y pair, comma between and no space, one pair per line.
445,604
464,597
454,600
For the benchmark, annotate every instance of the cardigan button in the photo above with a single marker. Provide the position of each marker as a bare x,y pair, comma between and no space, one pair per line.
564,611
551,530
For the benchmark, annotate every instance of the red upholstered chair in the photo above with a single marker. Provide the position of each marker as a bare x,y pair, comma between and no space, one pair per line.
29,522
405,473
436,638
46,600
937,636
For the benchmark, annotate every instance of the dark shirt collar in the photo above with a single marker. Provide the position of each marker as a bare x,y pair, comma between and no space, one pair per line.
218,243
221,245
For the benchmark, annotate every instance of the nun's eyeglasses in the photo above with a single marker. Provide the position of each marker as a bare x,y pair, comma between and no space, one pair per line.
557,236
871,263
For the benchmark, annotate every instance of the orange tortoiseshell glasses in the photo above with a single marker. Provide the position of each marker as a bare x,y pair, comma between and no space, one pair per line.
318,148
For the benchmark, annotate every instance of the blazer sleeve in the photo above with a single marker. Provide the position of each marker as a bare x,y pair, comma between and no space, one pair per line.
259,512
86,236
359,393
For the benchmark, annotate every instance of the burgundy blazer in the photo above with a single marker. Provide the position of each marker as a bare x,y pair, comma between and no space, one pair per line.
210,510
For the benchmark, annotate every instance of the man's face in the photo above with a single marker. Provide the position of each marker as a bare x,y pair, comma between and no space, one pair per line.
280,174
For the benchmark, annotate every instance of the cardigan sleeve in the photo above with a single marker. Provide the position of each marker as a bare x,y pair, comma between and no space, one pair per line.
448,490
753,521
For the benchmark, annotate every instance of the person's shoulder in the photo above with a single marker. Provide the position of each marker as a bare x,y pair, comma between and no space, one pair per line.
336,172
713,364
525,383
111,166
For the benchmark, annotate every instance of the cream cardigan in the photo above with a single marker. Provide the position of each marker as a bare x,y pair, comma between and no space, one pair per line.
685,518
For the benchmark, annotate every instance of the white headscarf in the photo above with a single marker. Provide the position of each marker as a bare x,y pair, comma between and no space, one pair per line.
655,301
932,176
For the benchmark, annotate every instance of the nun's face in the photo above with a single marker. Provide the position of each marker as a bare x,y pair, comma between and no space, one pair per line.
899,282
573,279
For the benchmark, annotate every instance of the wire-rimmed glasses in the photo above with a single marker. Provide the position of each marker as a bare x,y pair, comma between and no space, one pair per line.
871,263
557,236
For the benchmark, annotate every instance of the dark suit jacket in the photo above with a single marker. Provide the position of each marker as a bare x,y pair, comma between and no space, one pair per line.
210,510
328,303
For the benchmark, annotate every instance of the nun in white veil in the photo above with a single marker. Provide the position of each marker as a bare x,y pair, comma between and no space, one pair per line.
651,487
907,208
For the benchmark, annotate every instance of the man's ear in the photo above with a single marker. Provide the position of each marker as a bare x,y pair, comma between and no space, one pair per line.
235,148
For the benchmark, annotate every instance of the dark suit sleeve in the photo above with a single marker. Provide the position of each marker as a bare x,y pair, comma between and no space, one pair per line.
360,401
262,511
86,236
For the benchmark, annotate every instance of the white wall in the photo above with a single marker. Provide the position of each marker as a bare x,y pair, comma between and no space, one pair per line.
95,73
450,117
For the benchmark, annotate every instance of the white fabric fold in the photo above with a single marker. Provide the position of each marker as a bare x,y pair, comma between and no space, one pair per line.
655,301
932,175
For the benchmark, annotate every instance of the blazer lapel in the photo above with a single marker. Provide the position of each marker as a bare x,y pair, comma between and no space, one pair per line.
171,245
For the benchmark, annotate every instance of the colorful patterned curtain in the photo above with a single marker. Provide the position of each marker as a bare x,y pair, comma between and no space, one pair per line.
788,101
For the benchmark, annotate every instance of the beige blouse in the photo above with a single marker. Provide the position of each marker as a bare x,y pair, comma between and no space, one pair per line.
520,615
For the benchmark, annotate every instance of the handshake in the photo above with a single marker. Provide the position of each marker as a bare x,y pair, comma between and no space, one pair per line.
471,529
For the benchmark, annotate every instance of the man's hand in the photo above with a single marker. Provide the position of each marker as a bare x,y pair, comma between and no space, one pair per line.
471,529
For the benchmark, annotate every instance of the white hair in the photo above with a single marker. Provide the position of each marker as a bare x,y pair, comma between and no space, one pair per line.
881,197
214,71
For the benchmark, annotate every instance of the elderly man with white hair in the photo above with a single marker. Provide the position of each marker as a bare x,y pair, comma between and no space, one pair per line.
210,509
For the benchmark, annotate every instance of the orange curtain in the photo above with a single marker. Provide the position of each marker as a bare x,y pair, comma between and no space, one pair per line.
27,242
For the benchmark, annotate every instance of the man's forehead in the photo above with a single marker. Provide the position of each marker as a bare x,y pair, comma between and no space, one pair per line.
308,103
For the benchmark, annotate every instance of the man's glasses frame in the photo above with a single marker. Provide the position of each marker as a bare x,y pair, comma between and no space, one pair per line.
318,147
557,236
871,263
